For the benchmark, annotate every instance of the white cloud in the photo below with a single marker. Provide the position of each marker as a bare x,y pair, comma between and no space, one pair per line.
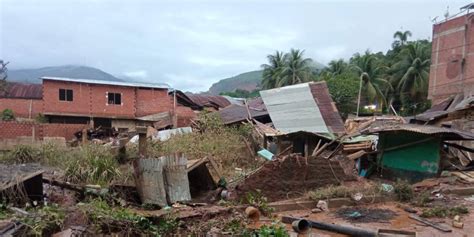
139,74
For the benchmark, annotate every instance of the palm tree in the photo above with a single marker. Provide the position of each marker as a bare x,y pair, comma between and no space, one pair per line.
371,74
335,67
411,73
297,68
401,38
273,70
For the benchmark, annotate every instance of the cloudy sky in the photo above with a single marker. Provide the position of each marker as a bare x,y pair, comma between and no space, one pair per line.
192,44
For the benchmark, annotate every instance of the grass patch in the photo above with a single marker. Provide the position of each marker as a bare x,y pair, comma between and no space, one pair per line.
439,211
107,220
257,199
341,191
92,164
43,221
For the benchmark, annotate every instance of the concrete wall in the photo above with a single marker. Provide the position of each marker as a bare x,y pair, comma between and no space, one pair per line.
452,58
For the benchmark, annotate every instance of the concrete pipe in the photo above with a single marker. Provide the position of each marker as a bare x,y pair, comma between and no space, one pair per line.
300,226
252,213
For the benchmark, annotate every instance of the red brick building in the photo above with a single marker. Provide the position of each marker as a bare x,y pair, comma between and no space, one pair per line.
105,103
452,58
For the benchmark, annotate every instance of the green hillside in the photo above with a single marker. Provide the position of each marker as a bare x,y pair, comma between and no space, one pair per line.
248,81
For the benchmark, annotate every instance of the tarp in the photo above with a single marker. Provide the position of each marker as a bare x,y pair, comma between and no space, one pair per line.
164,135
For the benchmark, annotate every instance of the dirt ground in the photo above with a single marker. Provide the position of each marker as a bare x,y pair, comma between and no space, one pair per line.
293,177
399,221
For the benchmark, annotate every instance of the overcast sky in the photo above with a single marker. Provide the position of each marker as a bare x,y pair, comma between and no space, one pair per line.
192,44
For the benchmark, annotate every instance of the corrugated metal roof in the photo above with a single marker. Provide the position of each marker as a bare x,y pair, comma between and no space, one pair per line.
112,83
22,91
447,133
215,101
237,113
303,107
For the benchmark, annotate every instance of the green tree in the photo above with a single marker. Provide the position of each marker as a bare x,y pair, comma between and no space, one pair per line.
297,68
334,68
372,76
401,38
344,89
273,70
411,74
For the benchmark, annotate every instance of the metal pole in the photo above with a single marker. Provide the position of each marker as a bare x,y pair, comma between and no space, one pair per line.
175,117
358,99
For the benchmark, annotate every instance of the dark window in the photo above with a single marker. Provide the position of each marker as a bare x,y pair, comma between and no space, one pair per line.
65,95
114,98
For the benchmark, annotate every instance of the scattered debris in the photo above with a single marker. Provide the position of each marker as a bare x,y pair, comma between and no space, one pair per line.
426,222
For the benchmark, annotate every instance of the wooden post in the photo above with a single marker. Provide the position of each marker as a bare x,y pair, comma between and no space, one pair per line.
84,136
142,142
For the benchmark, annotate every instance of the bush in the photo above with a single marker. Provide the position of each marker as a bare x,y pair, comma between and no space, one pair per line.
403,190
444,211
43,221
118,219
23,154
93,164
7,115
225,144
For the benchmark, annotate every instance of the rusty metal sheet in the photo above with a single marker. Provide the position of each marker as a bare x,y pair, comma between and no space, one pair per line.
176,177
149,180
22,91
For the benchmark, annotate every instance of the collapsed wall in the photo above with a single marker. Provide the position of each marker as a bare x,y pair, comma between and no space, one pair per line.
292,176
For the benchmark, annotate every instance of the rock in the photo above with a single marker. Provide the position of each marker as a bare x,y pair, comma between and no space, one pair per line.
457,218
316,210
323,205
458,224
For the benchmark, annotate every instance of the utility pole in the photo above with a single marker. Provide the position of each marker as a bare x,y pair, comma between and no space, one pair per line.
358,98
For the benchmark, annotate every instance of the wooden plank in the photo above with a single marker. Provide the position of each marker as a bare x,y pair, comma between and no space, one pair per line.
214,165
356,155
434,225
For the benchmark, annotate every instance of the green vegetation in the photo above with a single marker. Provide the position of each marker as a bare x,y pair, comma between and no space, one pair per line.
92,164
285,69
259,201
43,221
108,219
238,93
274,230
229,153
444,211
8,115
342,191
403,190
245,81
397,78
23,154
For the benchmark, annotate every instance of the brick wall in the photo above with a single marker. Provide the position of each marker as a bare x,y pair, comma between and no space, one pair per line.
24,108
14,129
452,44
91,100
185,116
152,101
99,101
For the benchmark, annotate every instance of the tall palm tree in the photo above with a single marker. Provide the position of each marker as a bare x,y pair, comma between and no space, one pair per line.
335,67
411,73
273,70
297,68
401,38
372,77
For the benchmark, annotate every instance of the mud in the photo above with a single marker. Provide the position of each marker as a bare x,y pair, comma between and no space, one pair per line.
365,215
292,177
